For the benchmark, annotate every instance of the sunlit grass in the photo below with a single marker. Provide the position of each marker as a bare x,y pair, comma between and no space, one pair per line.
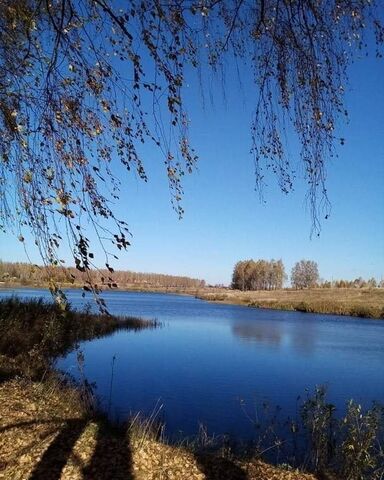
340,301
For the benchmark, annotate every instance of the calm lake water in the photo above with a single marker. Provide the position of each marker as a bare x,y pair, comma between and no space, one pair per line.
216,364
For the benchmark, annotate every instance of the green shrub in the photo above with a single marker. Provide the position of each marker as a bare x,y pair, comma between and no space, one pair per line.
350,447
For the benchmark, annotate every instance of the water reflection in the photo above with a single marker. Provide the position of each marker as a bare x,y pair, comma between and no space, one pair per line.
210,355
301,338
258,333
304,337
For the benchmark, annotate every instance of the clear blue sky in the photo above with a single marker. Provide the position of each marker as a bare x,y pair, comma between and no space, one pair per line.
224,220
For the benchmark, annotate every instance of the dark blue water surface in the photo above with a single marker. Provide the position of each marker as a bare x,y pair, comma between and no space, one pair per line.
213,364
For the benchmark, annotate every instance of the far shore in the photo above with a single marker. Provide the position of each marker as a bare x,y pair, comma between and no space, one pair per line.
357,302
140,288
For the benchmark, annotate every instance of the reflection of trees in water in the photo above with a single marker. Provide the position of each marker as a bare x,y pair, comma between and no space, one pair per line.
260,332
301,336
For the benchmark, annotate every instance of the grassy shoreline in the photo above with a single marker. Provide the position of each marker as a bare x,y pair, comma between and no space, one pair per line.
364,303
33,333
141,288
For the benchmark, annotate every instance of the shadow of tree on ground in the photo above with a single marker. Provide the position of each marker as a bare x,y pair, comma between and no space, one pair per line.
112,457
219,468
109,449
105,453
58,452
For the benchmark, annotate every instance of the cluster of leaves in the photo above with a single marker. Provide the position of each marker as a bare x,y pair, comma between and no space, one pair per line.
258,275
83,84
71,105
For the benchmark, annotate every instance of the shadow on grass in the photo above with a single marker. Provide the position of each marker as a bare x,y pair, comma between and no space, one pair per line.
111,458
58,452
29,423
218,468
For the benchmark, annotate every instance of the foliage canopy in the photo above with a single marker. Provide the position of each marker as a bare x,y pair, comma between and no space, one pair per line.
258,275
83,83
305,274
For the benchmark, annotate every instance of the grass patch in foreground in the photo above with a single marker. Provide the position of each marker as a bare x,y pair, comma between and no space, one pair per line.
34,332
46,434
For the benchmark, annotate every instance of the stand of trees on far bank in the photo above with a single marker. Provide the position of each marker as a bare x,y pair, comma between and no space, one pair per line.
270,275
305,274
247,275
27,274
258,275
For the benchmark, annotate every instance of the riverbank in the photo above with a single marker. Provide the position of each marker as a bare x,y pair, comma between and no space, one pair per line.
356,302
51,428
368,303
33,333
139,288
47,433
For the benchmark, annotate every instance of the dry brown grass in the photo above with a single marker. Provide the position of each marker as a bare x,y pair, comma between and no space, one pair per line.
362,302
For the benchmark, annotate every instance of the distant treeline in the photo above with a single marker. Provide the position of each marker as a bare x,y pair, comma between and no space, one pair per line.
258,275
27,274
357,283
